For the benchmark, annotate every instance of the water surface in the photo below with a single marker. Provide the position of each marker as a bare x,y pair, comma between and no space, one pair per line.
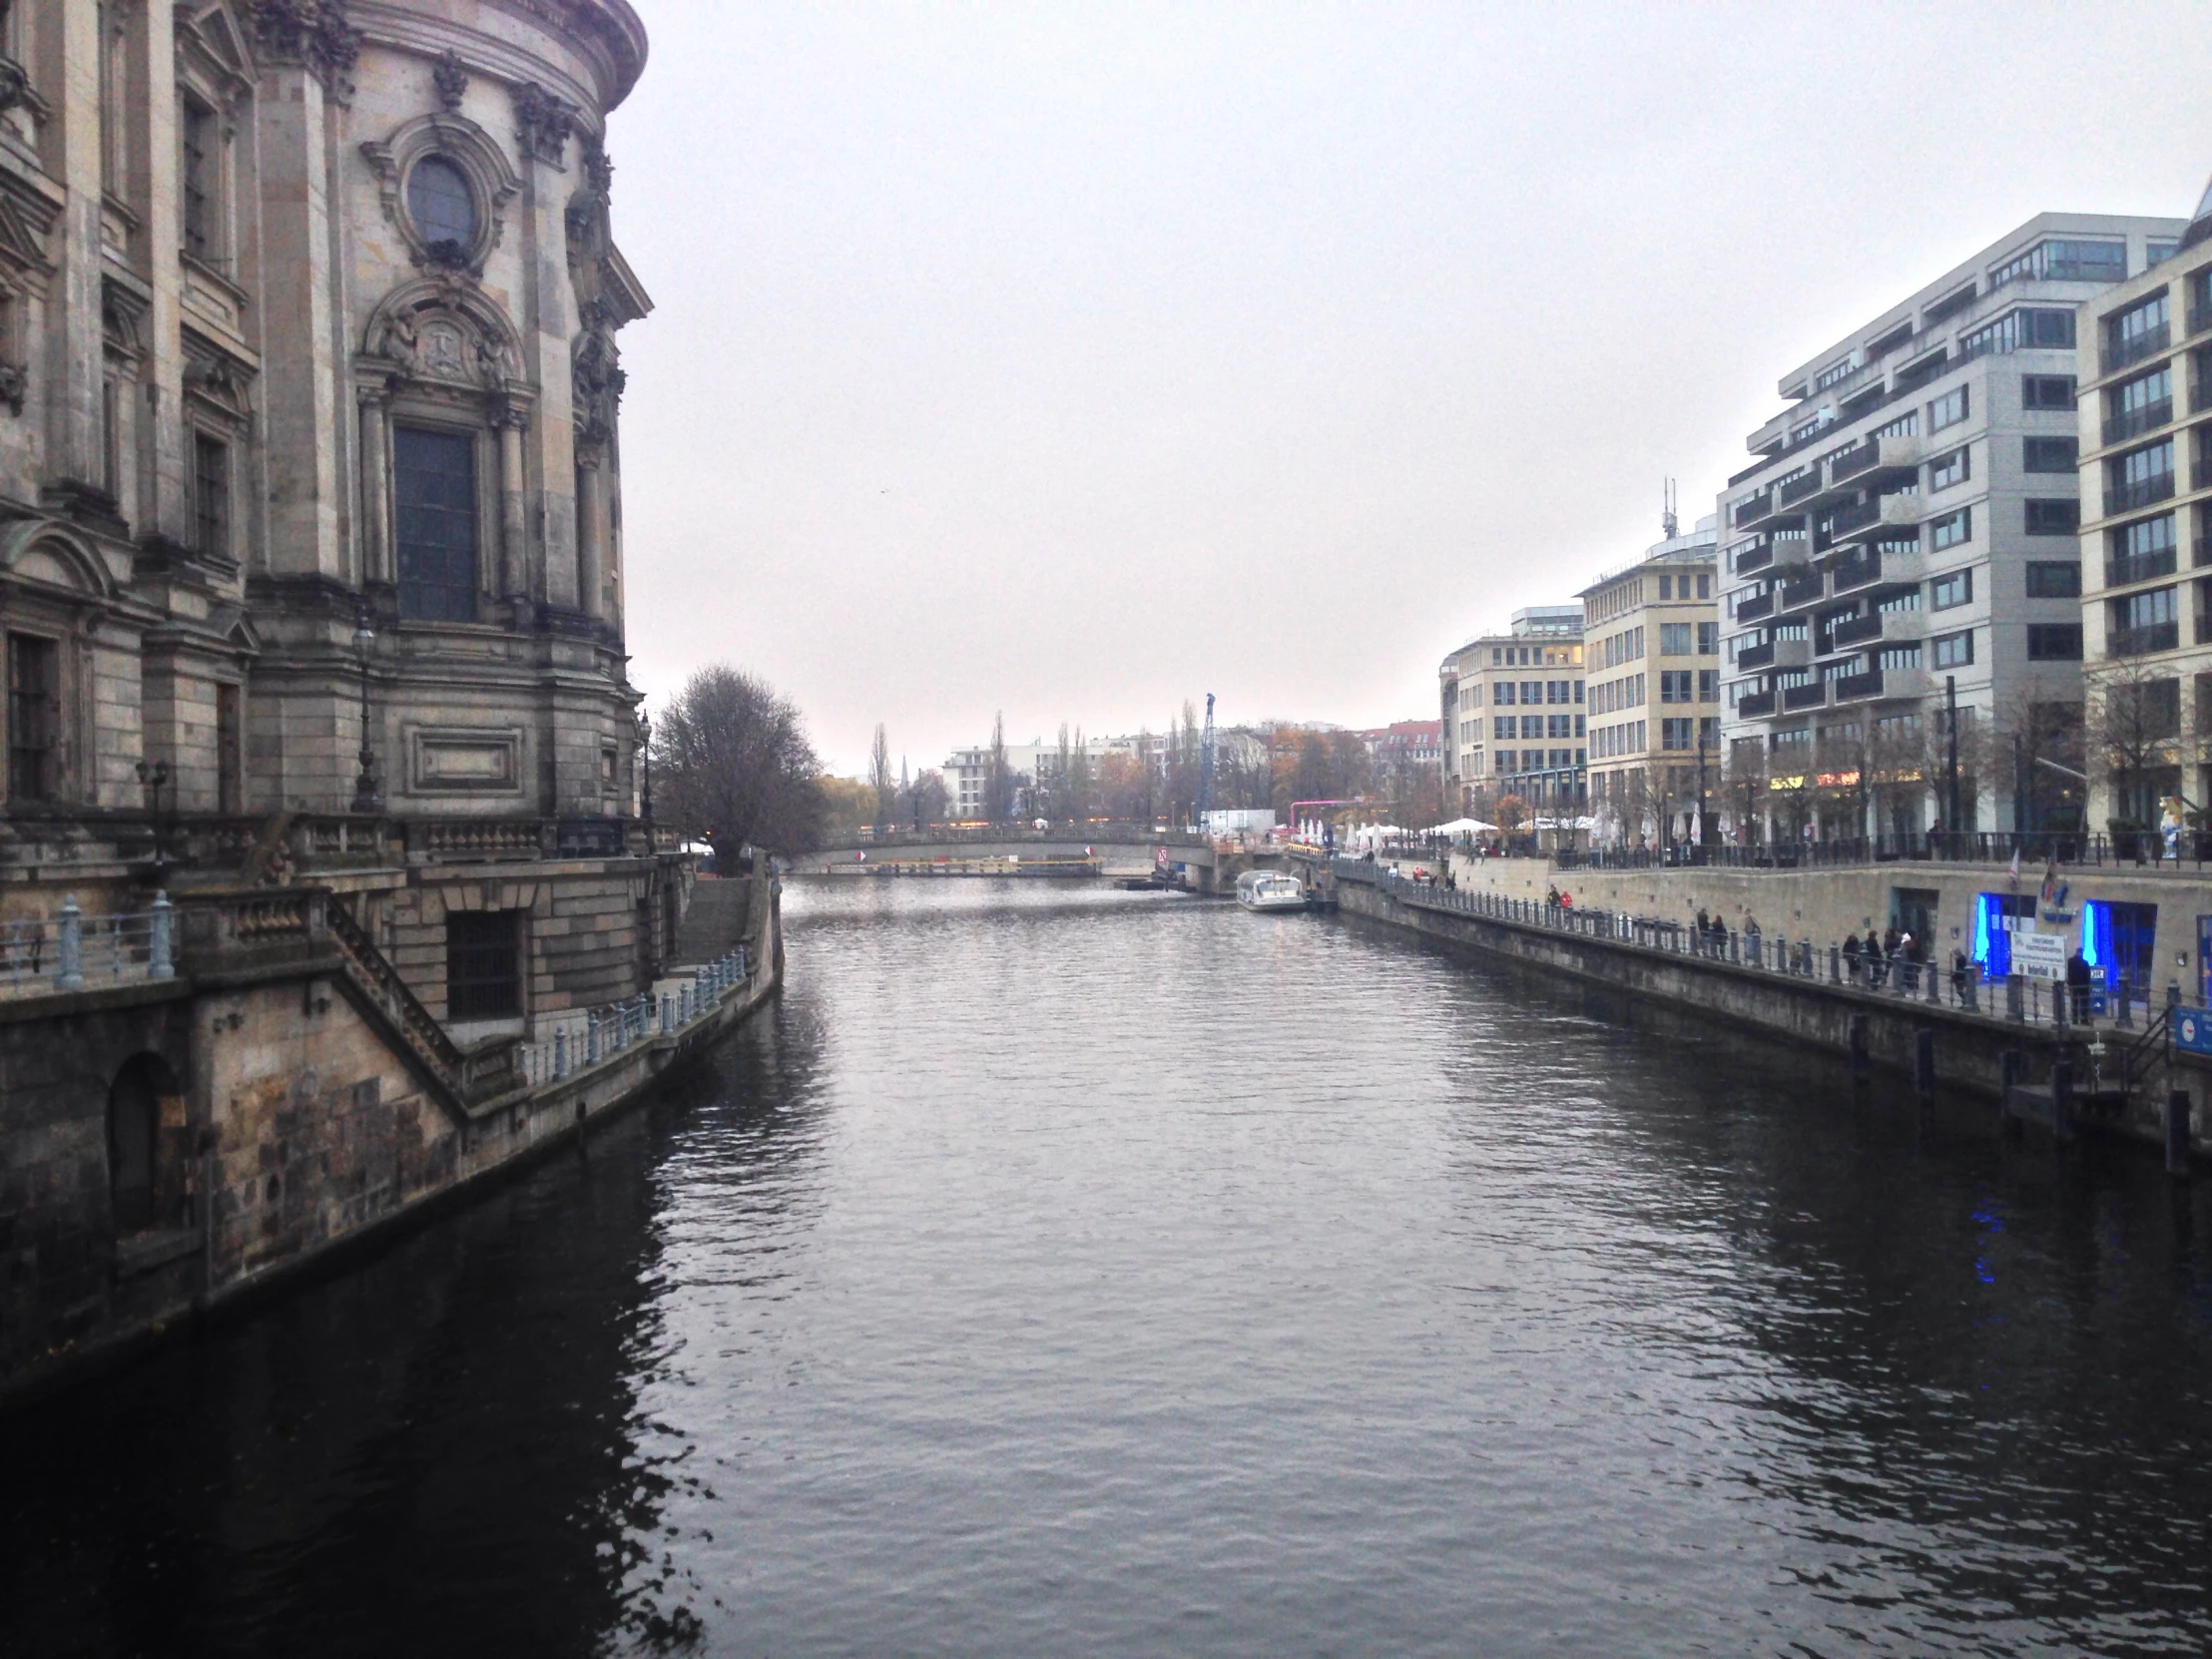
1057,1270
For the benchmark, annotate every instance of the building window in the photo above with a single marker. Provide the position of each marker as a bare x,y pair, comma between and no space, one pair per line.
1531,726
1675,685
2021,330
2053,518
1953,650
1946,591
1951,529
34,716
2048,454
2046,391
2064,262
1708,639
203,201
1905,599
1948,470
2128,333
483,973
2142,622
443,209
2158,249
1899,655
2139,478
2054,642
1947,410
2053,580
1708,684
1559,725
1678,734
2137,551
435,488
210,493
1674,639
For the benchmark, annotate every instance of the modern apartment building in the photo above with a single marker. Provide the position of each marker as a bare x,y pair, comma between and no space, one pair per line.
2148,644
1651,633
1514,721
1910,529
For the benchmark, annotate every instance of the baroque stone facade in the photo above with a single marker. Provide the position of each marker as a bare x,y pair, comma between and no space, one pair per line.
312,622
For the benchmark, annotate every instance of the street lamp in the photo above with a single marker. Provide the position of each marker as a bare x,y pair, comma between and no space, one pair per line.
368,798
153,777
645,763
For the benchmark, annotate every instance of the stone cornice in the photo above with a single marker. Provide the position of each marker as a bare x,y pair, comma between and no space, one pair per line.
602,37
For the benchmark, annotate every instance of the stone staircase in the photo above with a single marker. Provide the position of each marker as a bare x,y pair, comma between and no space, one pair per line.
717,919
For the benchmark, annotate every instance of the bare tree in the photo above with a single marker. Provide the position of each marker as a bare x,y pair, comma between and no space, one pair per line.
2132,732
736,766
1745,775
926,801
880,779
998,791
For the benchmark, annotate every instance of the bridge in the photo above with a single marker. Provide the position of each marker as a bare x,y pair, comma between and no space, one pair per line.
1207,863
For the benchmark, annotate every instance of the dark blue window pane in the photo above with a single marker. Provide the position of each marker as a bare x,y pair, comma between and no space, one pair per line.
440,202
434,485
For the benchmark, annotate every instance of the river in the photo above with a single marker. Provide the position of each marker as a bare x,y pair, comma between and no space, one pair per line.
1058,1271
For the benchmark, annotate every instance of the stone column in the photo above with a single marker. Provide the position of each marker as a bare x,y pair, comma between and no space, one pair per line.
591,531
514,545
376,545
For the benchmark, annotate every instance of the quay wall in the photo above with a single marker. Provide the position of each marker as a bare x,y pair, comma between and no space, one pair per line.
1825,904
294,1125
1808,1013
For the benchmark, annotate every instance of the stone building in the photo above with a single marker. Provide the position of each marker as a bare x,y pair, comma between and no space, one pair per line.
312,595
1651,633
1513,718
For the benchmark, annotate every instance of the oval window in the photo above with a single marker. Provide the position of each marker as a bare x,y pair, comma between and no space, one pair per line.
440,201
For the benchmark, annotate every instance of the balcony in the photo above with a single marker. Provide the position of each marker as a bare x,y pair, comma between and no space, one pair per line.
1858,630
1752,511
1850,688
2119,352
1757,606
2141,642
1870,453
2200,318
1806,590
1797,489
2133,424
2141,492
1900,511
2204,628
1758,705
1808,696
2204,550
1794,652
1857,573
1755,656
2138,567
1754,557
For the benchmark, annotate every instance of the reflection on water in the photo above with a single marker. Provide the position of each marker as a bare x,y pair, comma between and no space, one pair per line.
1075,1272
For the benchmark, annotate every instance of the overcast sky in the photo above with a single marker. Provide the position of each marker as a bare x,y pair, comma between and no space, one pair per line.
1073,361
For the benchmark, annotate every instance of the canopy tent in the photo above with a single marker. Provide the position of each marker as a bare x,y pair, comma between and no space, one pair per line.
1460,827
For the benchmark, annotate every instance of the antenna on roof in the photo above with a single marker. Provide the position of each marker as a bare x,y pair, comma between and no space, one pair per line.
1669,523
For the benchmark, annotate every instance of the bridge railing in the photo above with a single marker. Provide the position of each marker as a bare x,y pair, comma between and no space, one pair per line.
1116,832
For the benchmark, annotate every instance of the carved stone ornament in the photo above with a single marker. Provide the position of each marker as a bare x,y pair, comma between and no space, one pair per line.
315,33
15,83
543,122
441,331
451,79
596,382
14,385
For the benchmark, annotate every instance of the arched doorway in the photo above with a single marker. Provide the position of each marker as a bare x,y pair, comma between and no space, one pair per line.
142,1187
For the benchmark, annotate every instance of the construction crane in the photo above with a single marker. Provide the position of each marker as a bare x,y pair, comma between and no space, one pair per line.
1206,764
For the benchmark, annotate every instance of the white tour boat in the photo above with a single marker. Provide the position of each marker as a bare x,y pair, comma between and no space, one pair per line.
1270,890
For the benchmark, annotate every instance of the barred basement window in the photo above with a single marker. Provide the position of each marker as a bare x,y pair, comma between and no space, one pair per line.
483,974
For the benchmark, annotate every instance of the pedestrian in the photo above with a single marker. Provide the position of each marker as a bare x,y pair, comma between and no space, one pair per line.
2078,987
1851,958
1566,902
1704,923
1552,898
1957,974
1876,966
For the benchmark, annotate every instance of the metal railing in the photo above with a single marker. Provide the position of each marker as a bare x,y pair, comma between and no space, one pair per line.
2121,497
2141,642
2133,424
1855,573
71,952
2143,850
2122,568
2122,350
576,1042
1959,985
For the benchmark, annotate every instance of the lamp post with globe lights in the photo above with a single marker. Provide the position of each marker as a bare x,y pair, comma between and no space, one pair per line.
368,797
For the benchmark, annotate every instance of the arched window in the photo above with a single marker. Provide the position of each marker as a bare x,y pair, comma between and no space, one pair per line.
442,205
